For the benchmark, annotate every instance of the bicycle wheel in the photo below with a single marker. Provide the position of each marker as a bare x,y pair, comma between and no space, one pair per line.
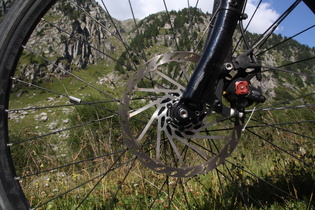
85,102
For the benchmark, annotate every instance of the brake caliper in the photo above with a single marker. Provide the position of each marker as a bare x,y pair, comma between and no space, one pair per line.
243,94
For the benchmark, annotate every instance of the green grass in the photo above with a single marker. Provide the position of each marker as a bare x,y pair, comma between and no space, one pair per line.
140,188
137,192
213,190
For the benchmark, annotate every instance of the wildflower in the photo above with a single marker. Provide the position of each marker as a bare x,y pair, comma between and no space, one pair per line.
75,176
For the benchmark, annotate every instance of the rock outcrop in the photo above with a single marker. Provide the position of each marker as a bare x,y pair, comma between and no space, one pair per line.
67,40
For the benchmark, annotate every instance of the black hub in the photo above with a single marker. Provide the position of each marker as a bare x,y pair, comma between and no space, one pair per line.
183,118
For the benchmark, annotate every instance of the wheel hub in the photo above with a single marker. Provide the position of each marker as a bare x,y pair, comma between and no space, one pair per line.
183,119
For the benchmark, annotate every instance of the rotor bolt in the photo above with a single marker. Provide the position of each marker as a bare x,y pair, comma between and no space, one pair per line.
197,113
229,66
169,105
168,121
183,113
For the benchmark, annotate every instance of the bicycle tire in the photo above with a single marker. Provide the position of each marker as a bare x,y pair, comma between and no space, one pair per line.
16,29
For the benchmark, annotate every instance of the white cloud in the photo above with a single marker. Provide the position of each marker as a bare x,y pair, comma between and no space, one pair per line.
263,18
120,9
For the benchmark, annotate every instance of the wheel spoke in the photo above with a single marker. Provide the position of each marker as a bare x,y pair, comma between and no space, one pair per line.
270,184
152,104
287,71
273,27
86,43
117,132
281,149
169,79
61,106
84,183
146,128
283,129
61,130
289,38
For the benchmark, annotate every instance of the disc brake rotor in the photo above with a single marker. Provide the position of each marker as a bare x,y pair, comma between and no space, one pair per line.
148,130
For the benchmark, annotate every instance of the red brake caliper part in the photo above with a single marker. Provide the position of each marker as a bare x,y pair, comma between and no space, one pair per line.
241,87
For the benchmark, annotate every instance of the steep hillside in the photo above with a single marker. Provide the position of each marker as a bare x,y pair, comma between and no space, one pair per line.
72,36
69,39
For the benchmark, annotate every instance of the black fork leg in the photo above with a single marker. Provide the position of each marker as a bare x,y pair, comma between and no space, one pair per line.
201,88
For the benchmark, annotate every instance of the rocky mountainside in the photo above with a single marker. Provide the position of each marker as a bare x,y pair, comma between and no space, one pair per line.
68,39
74,35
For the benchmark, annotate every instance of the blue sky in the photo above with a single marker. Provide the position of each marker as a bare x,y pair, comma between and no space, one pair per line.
300,19
269,11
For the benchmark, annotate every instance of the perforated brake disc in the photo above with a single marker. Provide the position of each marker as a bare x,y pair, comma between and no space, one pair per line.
148,130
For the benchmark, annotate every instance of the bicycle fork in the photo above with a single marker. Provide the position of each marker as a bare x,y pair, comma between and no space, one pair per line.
208,83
